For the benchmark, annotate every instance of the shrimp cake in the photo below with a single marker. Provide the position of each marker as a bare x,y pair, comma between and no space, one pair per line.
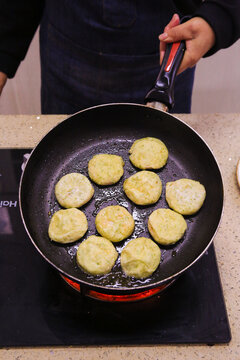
105,169
148,153
143,188
96,255
185,196
73,190
114,223
166,226
140,258
67,225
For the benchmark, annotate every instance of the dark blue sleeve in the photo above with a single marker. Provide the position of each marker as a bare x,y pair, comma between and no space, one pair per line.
223,17
19,20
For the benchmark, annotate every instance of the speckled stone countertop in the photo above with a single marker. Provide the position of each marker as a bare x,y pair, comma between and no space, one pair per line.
222,133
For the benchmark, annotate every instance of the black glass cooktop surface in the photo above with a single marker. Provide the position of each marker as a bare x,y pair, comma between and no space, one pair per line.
37,308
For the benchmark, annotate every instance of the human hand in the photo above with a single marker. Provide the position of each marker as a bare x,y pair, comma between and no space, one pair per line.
3,80
198,35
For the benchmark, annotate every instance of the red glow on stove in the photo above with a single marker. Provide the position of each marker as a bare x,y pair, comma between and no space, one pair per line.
116,298
124,298
74,284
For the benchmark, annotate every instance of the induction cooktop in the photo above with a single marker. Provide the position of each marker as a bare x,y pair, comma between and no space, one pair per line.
38,308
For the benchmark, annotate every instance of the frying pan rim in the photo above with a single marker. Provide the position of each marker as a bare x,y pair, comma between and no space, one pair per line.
110,288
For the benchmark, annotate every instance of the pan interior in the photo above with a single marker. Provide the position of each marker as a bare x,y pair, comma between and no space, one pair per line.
112,129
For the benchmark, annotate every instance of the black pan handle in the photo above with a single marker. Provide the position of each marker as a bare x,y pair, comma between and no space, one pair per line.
163,89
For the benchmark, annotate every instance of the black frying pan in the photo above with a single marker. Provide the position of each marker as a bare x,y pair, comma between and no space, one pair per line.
112,128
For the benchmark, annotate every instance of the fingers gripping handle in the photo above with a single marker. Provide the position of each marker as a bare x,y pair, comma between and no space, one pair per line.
163,89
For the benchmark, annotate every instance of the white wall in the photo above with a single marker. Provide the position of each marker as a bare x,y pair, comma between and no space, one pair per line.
217,82
21,95
216,89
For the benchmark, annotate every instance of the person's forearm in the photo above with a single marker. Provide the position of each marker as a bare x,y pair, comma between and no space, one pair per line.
3,80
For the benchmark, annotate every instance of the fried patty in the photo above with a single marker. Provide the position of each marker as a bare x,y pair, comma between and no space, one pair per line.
143,188
96,255
105,169
185,196
166,226
114,223
140,258
73,190
67,225
148,153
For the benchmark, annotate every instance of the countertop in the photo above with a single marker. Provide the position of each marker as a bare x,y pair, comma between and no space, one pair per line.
222,134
